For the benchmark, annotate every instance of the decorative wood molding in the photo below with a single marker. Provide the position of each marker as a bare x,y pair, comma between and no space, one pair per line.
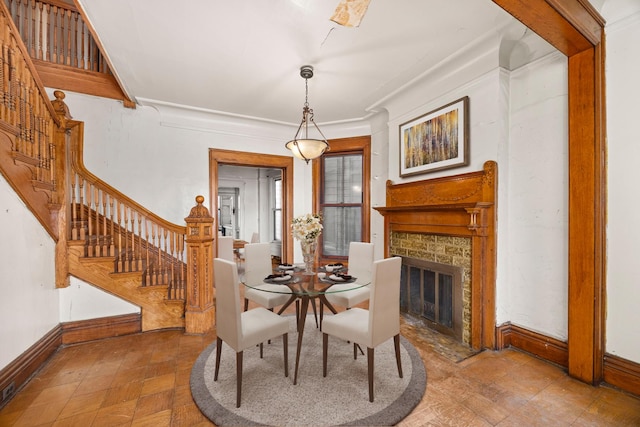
457,205
96,329
29,362
545,347
622,373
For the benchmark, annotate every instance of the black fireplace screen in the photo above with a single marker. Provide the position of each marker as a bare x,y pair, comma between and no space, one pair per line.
433,292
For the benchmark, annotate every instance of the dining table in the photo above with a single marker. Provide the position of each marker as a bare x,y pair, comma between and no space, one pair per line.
306,287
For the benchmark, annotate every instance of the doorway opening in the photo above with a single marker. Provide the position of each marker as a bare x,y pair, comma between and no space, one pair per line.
284,212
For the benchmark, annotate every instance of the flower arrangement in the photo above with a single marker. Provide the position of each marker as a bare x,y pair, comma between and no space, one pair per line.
307,227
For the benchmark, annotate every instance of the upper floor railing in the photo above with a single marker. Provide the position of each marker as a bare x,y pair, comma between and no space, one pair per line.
55,32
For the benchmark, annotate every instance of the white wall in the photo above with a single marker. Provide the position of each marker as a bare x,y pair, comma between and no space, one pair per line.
29,300
536,229
623,134
80,301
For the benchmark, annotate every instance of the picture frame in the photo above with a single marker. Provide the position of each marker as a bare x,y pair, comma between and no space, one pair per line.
436,141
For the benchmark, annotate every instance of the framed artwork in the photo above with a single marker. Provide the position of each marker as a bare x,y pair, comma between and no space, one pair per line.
437,140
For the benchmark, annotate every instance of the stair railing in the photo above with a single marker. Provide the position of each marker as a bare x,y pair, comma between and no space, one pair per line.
55,32
25,111
111,224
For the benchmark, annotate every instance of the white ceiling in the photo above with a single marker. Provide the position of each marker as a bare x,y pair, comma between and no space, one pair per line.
243,57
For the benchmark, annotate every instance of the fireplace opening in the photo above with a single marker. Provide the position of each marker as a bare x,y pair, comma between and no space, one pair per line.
432,292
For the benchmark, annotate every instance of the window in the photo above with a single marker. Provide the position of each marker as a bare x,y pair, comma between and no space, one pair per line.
341,181
277,210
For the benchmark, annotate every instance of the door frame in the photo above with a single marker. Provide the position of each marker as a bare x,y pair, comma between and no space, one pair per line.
258,160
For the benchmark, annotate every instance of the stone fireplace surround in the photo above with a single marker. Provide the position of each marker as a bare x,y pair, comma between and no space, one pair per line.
456,206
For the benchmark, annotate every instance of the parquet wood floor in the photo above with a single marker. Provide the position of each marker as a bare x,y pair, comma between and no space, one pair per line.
143,380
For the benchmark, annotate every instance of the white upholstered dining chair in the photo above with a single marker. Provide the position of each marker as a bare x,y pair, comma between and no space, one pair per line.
360,263
225,248
257,266
374,326
242,330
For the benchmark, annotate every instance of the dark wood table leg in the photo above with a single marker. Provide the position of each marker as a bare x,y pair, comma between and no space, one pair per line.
303,316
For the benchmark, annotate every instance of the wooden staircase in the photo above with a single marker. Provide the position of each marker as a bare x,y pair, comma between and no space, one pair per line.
158,311
102,236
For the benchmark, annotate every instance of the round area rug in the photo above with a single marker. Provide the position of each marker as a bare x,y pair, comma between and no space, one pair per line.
340,398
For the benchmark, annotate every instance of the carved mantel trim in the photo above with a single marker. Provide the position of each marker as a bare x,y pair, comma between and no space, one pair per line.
458,205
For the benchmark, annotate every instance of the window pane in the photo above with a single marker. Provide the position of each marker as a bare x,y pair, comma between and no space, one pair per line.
343,179
277,193
342,225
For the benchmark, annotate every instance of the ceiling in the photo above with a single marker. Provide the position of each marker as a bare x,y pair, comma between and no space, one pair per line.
243,57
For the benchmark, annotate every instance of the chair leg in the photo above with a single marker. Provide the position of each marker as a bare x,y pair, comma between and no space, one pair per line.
325,342
246,304
261,350
218,353
396,343
321,313
355,351
285,345
370,370
238,378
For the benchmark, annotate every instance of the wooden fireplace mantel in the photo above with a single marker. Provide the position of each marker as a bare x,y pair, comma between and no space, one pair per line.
459,205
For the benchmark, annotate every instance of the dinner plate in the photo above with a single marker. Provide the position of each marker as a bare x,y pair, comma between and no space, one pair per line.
337,279
279,280
335,268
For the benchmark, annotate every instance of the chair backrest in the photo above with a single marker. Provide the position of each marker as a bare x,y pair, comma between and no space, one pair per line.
361,261
257,262
384,300
228,311
225,248
255,238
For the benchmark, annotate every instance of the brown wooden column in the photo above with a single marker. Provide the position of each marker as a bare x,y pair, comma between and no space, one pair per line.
60,204
199,305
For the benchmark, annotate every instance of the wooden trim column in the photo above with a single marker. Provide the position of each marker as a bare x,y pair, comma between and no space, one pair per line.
199,305
576,29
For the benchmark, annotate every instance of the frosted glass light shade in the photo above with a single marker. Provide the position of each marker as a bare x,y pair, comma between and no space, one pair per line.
307,149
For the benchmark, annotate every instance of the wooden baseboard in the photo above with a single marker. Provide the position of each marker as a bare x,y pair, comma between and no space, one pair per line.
16,374
622,373
96,329
545,347
618,372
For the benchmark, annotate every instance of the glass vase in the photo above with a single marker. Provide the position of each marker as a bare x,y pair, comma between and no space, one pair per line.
309,255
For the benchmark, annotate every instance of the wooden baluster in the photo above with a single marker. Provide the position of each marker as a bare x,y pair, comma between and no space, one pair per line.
68,26
32,38
82,235
98,235
83,34
125,254
159,255
105,235
120,231
140,245
48,42
74,207
41,25
132,252
112,249
94,49
90,231
152,270
54,13
183,273
165,269
74,44
148,244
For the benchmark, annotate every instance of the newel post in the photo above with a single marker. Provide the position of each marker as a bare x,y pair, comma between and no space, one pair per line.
61,204
199,305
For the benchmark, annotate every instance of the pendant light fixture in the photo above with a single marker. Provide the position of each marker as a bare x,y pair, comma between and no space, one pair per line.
302,146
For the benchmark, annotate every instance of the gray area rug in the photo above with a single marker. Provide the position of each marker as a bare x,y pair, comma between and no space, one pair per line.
340,398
